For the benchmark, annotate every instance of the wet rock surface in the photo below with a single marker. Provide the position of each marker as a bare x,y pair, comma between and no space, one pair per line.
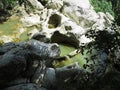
28,65
21,59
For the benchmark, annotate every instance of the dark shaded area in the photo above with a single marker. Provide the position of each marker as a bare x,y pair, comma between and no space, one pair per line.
28,86
108,41
110,81
5,8
23,67
4,15
68,39
40,37
43,2
23,62
116,9
54,20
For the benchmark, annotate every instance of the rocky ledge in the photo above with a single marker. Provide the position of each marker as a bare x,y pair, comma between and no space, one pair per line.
28,66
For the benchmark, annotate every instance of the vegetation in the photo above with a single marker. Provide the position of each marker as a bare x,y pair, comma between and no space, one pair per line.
111,6
11,29
11,1
107,41
116,9
7,4
102,6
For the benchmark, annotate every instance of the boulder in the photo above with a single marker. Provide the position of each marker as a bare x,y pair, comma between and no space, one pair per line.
74,17
49,80
37,48
11,66
84,15
28,86
71,77
25,60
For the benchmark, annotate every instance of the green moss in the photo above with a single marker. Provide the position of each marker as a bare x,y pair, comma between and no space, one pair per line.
102,6
10,26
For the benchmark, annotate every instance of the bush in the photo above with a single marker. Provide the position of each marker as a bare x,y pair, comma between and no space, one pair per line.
108,41
11,1
102,6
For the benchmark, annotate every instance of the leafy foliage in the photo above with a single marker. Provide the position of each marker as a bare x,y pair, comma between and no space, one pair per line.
107,41
102,6
116,9
111,6
11,1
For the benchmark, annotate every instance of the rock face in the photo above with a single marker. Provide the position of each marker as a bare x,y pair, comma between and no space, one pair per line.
53,4
24,66
50,50
31,20
20,60
75,17
28,65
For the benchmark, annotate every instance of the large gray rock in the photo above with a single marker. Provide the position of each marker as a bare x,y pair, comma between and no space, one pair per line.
43,50
76,17
28,86
49,80
11,66
25,60
83,14
71,77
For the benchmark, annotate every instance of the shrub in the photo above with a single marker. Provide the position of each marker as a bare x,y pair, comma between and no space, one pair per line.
108,41
102,6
